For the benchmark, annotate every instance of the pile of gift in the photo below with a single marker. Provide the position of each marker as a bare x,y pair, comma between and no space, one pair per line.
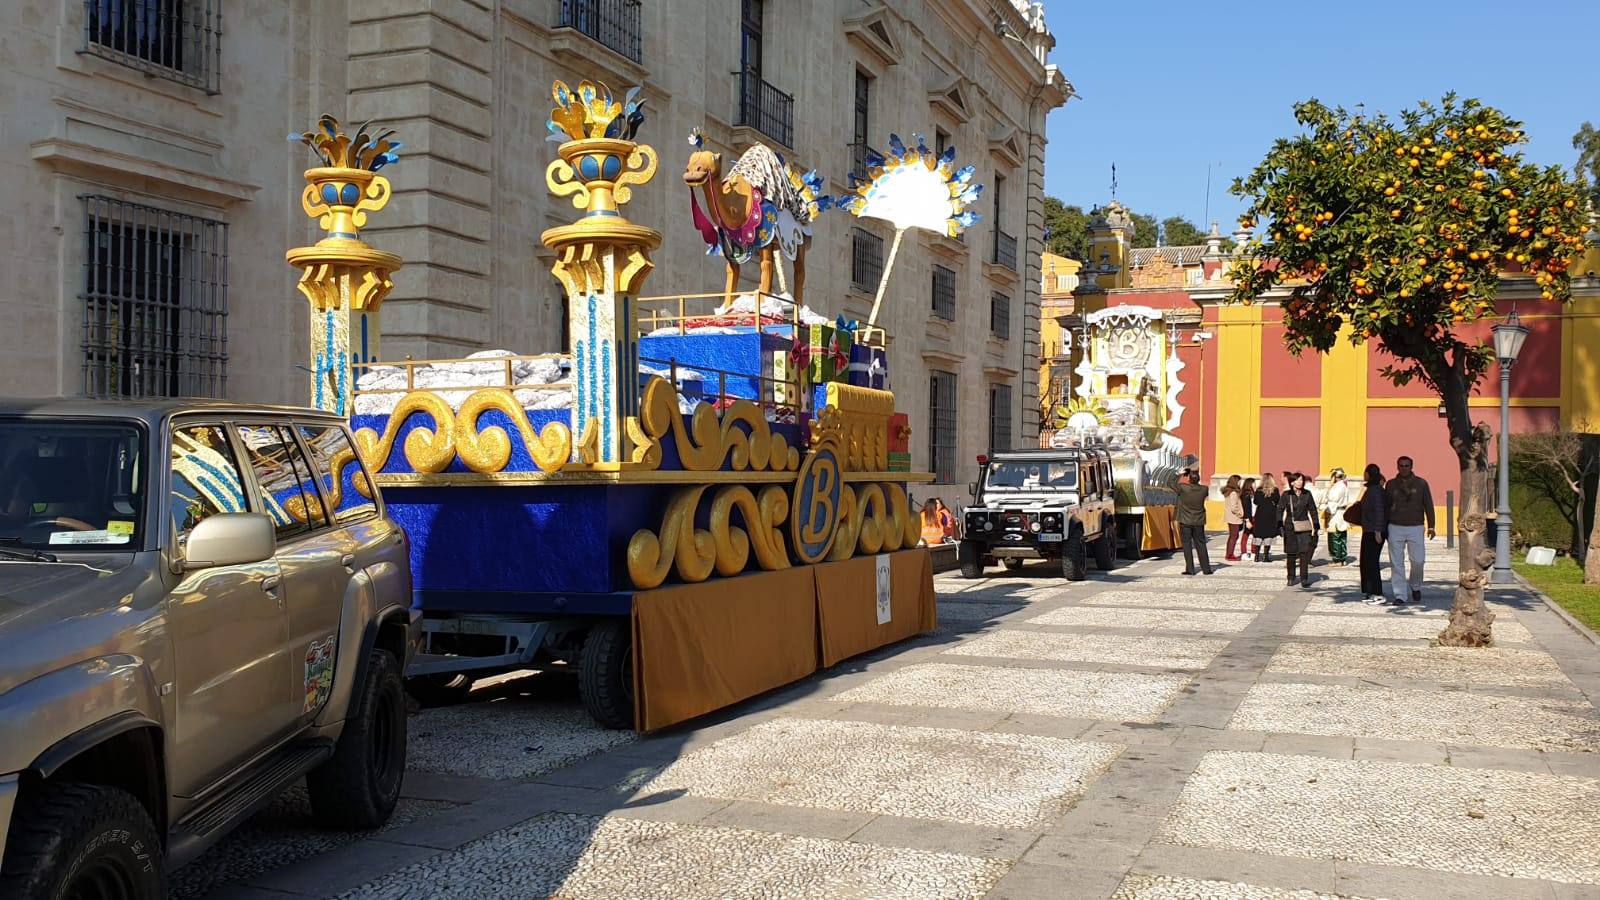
824,353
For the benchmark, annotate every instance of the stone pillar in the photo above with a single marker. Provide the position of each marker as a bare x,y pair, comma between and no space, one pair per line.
345,279
601,259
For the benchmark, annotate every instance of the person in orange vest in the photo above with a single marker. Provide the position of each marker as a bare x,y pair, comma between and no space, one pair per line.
938,524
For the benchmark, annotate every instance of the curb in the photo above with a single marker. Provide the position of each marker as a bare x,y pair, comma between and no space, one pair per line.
1582,629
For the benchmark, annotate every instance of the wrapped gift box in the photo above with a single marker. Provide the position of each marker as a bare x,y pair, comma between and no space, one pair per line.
869,367
898,439
830,353
899,462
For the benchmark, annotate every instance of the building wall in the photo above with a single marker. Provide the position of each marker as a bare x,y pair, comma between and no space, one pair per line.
466,84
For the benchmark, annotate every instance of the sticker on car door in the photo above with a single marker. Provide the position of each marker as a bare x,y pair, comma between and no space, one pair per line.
319,672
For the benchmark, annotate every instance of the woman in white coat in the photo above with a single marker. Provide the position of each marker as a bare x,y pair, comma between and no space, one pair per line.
1338,501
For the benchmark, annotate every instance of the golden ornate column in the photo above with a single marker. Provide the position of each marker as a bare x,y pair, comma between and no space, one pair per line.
602,259
344,278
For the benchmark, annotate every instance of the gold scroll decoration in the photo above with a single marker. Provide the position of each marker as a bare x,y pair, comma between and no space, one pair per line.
708,440
723,546
296,506
651,556
457,435
874,518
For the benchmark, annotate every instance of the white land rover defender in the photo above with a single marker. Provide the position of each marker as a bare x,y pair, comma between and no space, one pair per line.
1041,504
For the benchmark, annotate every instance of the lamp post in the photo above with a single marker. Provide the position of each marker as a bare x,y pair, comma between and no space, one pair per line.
1508,338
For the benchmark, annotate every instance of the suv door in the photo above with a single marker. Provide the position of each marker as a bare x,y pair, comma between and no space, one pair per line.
228,626
317,560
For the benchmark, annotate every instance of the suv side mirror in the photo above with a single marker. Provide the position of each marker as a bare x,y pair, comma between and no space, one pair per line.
972,488
230,539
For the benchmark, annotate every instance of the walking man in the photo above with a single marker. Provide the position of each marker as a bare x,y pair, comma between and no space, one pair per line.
1192,521
1410,505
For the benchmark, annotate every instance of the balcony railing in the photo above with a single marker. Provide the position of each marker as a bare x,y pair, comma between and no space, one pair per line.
766,109
1005,250
866,259
859,153
614,23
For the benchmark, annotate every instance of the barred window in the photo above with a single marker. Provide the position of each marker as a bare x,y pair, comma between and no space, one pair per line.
866,259
180,40
944,292
999,417
155,302
942,426
1000,315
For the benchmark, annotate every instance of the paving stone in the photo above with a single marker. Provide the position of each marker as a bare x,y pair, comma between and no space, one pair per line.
1443,716
1169,887
1109,696
1408,628
1157,619
1004,780
1473,821
511,737
1256,870
968,840
1174,600
1489,665
1033,881
820,823
284,834
1156,652
976,611
1392,881
588,857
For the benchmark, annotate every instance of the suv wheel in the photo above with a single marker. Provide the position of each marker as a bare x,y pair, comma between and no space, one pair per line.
1074,560
1132,537
1105,549
971,560
605,674
359,787
84,840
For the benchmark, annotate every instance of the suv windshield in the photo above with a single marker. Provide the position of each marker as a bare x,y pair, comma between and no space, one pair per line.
1031,476
70,485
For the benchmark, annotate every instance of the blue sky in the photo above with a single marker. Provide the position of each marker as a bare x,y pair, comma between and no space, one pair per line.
1169,88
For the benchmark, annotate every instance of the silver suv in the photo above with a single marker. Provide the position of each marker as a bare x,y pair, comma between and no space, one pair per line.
200,604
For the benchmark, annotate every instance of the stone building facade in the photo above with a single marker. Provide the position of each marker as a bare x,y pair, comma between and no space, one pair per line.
151,192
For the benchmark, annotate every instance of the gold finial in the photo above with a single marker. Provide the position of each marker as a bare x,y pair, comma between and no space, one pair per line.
598,156
347,185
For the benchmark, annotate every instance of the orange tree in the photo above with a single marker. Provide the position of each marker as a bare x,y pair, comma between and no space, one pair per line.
1398,232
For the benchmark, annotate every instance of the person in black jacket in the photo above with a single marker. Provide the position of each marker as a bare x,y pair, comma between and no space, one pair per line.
1268,517
1299,528
1374,526
1247,496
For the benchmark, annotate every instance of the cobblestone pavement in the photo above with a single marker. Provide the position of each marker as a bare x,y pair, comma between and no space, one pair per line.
1139,736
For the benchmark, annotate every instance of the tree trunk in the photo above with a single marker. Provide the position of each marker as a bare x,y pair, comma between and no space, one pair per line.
1591,559
1470,618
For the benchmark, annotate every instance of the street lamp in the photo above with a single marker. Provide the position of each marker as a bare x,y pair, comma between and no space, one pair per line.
1508,339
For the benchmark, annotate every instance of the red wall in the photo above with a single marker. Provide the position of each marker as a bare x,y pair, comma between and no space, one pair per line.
1291,440
1538,372
1423,436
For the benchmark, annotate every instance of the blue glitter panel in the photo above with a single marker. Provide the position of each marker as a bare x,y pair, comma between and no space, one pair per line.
741,354
520,461
523,538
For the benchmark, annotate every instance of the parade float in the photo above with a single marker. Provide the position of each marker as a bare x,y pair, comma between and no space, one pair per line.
1127,402
689,507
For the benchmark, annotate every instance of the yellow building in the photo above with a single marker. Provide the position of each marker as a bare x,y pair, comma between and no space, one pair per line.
1057,350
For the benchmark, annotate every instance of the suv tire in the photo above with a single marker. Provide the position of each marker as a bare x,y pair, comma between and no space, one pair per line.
971,560
1132,537
83,840
1105,549
1074,560
605,674
359,786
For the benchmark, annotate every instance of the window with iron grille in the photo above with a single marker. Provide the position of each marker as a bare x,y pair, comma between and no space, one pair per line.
942,426
944,292
155,302
866,259
1000,315
614,23
999,417
180,40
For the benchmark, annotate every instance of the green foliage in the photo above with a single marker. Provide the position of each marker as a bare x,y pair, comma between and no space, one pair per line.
1399,230
1144,229
1587,143
1563,583
1180,232
1069,229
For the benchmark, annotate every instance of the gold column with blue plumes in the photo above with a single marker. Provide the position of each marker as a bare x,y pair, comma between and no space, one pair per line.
345,278
601,259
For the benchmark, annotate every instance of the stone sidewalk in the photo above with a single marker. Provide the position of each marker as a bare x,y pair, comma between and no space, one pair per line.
1138,735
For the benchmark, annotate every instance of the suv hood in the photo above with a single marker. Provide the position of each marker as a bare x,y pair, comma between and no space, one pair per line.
1030,500
55,612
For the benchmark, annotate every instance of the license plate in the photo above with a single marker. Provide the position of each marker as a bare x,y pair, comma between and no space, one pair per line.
1049,536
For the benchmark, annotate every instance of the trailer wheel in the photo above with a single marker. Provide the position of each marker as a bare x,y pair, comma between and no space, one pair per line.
605,674
443,689
971,561
1074,560
1132,537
